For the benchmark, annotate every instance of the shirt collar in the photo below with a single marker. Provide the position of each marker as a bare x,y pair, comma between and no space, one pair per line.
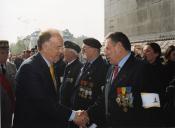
48,63
93,60
123,61
71,62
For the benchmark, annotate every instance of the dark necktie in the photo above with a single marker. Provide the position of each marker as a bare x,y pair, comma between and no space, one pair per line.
86,66
3,69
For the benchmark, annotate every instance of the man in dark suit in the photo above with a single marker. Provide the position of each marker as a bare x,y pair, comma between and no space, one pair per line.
71,56
121,102
91,80
37,104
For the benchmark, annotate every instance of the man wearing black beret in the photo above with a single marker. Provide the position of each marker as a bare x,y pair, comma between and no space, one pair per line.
91,79
73,66
71,57
92,43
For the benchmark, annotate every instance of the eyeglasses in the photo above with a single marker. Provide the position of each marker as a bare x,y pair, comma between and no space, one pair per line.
85,47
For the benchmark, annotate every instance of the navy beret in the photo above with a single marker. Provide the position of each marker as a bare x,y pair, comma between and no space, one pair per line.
92,42
72,45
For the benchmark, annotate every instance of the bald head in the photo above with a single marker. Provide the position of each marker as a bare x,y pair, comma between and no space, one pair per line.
46,35
50,45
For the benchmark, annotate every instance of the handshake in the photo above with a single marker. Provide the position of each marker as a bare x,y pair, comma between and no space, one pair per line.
81,118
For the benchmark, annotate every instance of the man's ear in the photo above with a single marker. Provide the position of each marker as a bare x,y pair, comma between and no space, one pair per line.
45,46
118,46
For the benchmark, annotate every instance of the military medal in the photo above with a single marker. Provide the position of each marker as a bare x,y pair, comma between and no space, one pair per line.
119,91
119,96
118,100
123,90
124,98
128,89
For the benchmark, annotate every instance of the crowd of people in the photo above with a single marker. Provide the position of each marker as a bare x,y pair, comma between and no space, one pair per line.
50,87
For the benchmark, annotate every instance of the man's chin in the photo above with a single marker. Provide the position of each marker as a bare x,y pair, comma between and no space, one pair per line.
84,57
57,59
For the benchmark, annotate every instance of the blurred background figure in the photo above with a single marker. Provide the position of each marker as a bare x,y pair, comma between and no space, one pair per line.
152,57
18,61
138,51
170,63
7,85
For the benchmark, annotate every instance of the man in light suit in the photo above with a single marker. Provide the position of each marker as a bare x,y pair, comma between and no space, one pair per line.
37,104
7,75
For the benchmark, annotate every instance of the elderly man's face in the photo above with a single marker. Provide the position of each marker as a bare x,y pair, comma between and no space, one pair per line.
3,55
88,51
68,54
54,48
112,51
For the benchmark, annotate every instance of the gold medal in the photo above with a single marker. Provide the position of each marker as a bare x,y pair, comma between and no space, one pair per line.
123,90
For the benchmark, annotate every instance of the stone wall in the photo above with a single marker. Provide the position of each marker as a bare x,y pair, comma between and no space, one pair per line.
141,20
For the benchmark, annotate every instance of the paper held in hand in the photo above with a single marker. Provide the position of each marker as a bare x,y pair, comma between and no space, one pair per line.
150,100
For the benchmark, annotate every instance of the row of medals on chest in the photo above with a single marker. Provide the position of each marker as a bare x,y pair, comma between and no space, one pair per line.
124,98
85,91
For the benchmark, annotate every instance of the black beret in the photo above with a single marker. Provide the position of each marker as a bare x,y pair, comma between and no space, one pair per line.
72,45
4,44
32,49
92,42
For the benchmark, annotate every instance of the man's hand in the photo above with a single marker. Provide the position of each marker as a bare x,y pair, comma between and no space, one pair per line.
81,118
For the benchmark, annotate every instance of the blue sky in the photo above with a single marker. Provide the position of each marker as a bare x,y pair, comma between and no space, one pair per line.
22,17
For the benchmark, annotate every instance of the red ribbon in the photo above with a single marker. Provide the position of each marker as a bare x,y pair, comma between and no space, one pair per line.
8,88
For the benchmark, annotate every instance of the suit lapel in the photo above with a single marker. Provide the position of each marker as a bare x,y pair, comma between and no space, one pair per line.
122,73
45,71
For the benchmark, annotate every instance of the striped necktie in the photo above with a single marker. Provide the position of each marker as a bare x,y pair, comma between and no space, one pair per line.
115,72
86,66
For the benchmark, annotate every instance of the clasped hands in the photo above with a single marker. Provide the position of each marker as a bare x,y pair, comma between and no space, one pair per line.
81,118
